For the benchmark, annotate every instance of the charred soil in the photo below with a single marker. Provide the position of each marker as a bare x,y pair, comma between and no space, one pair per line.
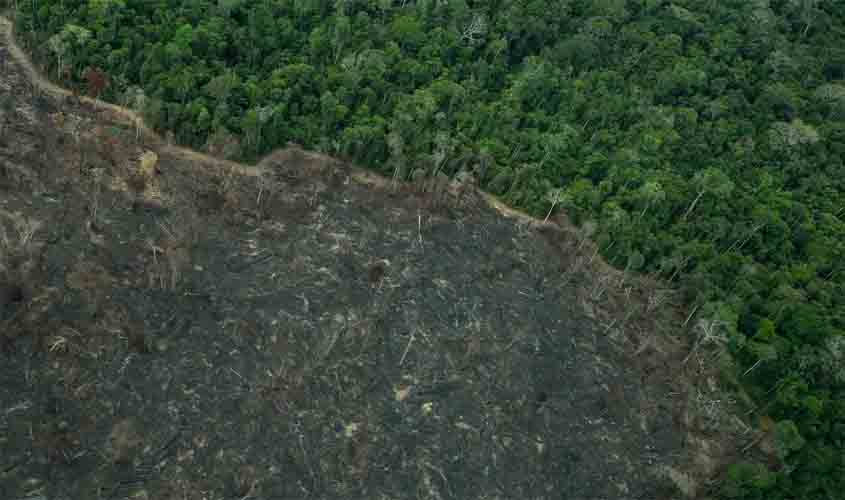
175,328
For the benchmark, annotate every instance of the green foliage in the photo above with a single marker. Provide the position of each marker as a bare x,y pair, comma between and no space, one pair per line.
704,139
748,481
787,438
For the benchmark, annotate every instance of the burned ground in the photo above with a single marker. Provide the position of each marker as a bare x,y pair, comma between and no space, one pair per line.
173,329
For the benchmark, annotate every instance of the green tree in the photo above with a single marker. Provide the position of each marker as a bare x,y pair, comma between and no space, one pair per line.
710,180
66,43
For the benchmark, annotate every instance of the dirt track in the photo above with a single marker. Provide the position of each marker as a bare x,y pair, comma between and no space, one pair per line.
115,113
130,117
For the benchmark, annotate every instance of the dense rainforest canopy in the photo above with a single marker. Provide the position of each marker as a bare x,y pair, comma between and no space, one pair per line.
703,142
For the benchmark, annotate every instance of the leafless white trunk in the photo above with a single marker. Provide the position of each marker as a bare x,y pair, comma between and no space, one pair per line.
692,205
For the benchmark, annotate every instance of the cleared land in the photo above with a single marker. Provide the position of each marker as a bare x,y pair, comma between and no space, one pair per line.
178,327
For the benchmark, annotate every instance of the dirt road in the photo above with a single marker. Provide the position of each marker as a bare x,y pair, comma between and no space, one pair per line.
115,113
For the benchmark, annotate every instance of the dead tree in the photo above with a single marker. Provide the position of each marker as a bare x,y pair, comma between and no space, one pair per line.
97,81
